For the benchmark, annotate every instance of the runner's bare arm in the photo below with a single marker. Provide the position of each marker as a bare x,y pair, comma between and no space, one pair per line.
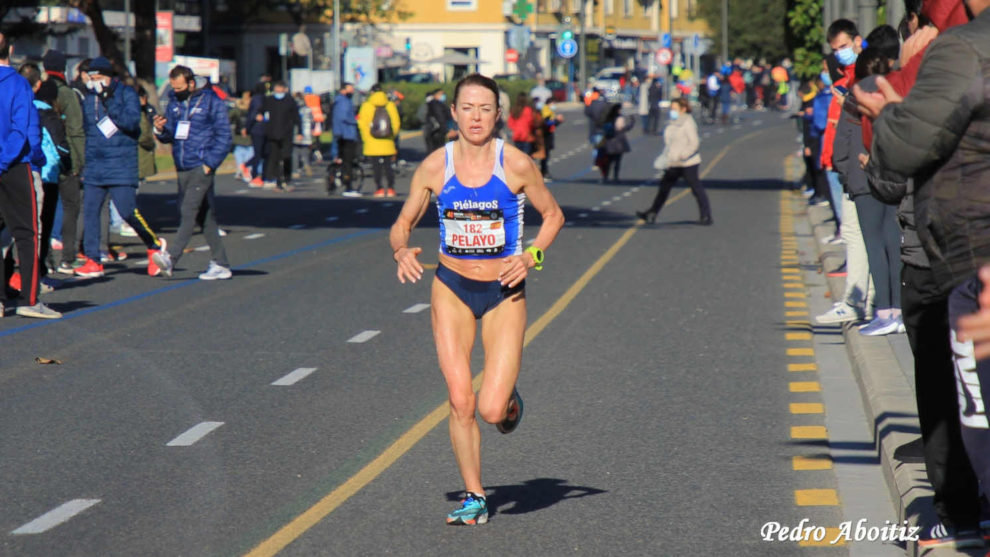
429,172
521,169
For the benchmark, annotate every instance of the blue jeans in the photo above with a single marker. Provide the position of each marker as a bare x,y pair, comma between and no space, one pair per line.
125,198
835,189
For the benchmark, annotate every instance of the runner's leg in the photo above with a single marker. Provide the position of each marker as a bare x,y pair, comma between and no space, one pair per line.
502,332
454,330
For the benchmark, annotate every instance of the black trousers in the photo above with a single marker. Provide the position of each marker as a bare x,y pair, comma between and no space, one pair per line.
19,211
926,318
259,144
48,206
278,163
347,151
70,191
882,237
690,174
383,166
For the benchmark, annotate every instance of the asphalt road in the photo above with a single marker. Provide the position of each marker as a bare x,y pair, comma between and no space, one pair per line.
192,418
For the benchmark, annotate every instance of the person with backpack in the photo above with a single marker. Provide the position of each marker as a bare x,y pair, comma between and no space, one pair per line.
614,142
378,122
69,185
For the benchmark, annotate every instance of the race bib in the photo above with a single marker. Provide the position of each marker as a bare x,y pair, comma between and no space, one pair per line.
182,129
107,127
480,232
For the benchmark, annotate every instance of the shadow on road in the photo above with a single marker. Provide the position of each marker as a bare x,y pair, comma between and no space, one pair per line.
531,495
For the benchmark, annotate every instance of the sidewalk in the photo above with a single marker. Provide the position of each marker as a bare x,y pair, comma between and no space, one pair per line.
884,369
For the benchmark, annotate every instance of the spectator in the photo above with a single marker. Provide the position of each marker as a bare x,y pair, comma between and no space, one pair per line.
550,120
654,96
255,128
936,135
378,121
595,110
345,134
281,118
438,121
243,150
112,120
69,186
522,124
19,146
146,141
615,142
540,92
196,124
302,146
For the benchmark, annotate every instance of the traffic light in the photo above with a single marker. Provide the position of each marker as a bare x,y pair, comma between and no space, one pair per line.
408,44
567,34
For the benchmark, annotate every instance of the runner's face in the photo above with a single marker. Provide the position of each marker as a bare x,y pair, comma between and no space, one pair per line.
475,112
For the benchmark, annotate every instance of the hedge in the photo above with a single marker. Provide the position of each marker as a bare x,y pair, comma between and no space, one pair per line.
414,94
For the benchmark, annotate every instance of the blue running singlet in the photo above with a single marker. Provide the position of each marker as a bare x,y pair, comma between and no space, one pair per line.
480,223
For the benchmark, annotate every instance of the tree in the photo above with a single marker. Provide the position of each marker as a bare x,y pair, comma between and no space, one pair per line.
808,36
318,11
756,27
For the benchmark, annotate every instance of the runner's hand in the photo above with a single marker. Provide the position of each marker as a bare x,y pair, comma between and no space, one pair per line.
976,327
409,267
515,269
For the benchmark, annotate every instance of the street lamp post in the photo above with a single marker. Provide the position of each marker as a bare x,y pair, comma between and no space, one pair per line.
336,43
582,45
725,31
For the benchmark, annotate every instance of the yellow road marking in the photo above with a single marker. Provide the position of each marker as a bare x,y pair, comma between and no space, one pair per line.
793,285
816,497
805,387
795,295
830,534
807,408
802,367
797,324
798,336
800,351
790,270
809,432
806,463
791,278
795,313
792,304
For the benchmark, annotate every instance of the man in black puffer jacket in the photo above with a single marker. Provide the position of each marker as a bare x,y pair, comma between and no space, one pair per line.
940,136
281,117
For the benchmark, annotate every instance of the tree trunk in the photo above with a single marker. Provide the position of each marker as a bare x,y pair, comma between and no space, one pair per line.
105,36
144,40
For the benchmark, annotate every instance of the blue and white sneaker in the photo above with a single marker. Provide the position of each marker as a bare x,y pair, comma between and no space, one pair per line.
473,511
880,327
514,416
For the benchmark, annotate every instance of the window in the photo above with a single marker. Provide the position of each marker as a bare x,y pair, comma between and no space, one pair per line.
462,5
610,7
627,8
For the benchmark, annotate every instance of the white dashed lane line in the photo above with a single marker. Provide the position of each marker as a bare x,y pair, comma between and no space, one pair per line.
363,336
582,215
54,517
331,219
416,308
194,434
242,192
202,248
294,377
360,211
255,236
605,204
297,227
596,209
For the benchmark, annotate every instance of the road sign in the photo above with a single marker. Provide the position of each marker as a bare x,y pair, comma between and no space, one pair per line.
697,41
664,56
512,56
665,40
567,48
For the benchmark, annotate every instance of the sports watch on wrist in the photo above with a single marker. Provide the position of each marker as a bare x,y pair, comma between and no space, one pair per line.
537,255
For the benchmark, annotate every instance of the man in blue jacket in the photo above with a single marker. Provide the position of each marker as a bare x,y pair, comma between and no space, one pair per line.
20,138
112,122
197,126
345,133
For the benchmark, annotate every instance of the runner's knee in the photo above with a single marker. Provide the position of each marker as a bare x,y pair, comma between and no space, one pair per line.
462,404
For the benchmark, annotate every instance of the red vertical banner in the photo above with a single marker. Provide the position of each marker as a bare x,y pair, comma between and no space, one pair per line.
164,47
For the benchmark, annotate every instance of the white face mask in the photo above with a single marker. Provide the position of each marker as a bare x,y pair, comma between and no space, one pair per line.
95,85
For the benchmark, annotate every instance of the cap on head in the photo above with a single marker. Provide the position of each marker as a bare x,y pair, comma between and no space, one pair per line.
54,61
101,66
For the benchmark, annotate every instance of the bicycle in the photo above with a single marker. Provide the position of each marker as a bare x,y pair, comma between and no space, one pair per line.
335,175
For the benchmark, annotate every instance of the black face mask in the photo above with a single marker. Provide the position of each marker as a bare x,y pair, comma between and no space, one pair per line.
349,95
181,96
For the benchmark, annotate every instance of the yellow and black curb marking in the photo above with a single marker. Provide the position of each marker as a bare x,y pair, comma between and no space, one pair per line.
807,410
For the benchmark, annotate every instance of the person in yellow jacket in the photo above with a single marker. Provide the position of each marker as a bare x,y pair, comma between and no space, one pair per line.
378,122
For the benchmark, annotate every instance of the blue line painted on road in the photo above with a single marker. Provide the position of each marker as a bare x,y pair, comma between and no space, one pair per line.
183,284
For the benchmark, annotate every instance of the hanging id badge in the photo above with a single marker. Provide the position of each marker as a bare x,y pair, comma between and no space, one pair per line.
182,129
107,127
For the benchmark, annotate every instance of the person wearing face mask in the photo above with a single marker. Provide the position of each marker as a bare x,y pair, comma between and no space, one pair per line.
437,126
683,150
345,135
282,117
843,37
112,122
196,124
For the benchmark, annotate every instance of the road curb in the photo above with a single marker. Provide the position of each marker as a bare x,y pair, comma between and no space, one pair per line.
888,398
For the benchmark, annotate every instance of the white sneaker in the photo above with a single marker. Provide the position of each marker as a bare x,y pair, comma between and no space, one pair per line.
841,312
162,258
216,272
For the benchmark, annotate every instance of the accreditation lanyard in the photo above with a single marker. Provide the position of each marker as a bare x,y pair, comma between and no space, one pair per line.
182,126
104,124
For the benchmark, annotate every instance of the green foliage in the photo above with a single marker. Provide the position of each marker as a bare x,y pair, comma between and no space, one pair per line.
756,27
806,27
414,94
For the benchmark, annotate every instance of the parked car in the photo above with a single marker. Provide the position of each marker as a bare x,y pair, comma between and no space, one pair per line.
608,81
558,89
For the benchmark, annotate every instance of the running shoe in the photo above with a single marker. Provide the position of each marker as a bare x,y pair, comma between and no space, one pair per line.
390,192
941,535
380,192
268,185
56,244
160,258
880,327
90,269
128,231
216,272
351,193
65,269
901,329
514,416
256,182
841,312
473,511
39,310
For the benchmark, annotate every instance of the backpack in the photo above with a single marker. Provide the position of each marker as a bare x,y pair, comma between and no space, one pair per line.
381,123
55,144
